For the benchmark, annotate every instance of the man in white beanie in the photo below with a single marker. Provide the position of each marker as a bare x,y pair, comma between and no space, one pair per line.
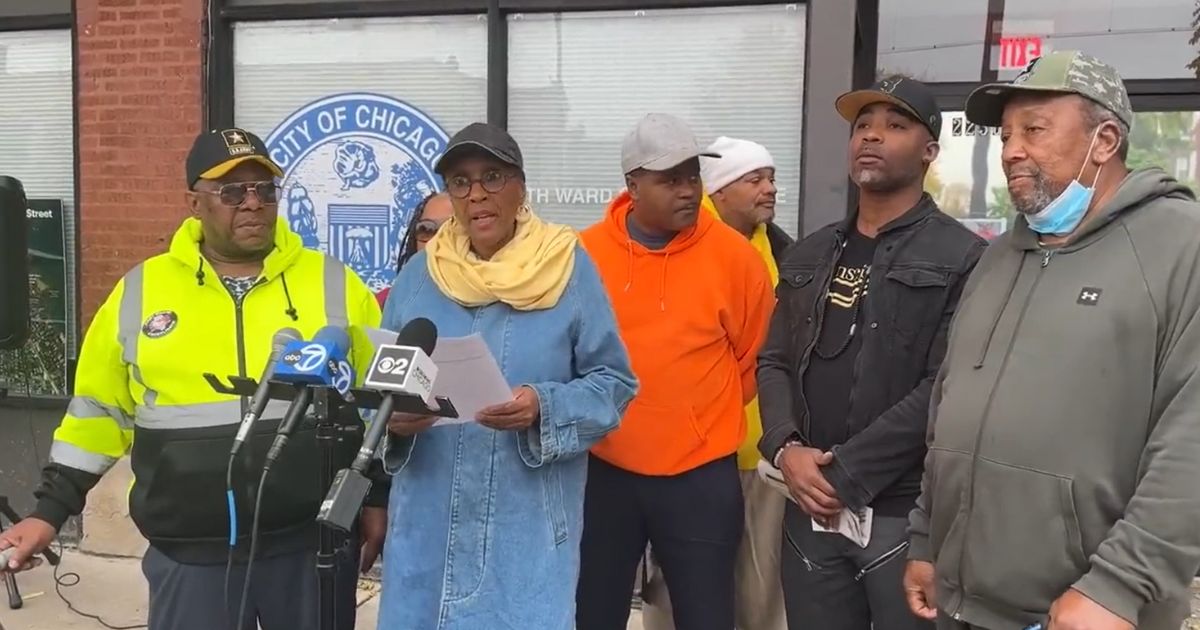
741,184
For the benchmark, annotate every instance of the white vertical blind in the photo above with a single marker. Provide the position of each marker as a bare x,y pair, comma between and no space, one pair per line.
37,130
578,82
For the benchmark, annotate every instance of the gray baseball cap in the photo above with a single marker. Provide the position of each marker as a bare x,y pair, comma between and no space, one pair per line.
660,142
1062,71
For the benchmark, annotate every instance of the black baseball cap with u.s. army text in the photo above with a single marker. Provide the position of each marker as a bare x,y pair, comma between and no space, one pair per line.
214,153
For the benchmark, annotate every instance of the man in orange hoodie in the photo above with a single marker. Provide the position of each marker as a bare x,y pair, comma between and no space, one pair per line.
693,300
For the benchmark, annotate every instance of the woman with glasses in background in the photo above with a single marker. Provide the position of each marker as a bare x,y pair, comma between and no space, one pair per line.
428,216
485,517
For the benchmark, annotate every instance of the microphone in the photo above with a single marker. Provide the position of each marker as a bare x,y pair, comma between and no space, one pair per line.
307,364
258,402
405,369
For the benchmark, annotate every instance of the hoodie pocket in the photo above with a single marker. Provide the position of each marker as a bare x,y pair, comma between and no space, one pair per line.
1023,545
658,432
946,473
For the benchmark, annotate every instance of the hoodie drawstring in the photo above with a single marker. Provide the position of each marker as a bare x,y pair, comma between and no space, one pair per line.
662,281
1012,286
662,284
629,283
291,309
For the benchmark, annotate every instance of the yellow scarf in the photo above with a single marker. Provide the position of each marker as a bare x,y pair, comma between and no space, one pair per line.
529,273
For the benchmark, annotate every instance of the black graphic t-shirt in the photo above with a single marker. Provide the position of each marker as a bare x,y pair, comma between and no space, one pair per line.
830,373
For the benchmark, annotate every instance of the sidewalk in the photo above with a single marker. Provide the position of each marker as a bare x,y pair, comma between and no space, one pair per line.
114,589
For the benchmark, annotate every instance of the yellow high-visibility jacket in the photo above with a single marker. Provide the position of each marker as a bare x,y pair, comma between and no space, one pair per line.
140,389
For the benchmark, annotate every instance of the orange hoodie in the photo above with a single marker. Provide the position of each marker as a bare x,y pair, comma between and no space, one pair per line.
693,316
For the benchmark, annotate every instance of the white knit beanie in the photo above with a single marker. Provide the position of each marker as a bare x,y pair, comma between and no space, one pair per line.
738,157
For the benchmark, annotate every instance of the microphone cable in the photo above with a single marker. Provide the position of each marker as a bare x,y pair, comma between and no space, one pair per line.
253,548
69,578
230,499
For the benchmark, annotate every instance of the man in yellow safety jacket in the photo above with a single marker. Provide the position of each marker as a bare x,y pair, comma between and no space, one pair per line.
235,274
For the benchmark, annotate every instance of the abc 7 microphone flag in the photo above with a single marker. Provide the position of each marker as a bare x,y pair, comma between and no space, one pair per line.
313,363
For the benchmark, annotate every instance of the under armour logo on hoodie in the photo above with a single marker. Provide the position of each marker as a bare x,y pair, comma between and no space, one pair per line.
1089,296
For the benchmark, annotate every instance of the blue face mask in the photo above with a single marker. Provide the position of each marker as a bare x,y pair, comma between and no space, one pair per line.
1064,214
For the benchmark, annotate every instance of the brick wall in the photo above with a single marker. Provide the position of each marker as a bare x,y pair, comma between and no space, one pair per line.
140,106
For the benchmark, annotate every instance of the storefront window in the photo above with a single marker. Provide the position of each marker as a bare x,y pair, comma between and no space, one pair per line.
932,40
578,82
942,40
969,184
37,128
356,112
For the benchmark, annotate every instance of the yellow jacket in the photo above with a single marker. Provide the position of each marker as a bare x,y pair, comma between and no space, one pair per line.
748,454
140,385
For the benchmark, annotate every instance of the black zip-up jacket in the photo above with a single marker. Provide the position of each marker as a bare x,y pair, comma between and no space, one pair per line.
921,261
780,242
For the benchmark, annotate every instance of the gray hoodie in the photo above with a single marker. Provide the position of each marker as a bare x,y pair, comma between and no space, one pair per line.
1065,421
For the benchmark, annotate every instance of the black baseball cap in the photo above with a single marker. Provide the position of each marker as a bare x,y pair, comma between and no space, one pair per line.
216,152
910,95
481,137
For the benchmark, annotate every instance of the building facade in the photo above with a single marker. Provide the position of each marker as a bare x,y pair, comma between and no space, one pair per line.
100,99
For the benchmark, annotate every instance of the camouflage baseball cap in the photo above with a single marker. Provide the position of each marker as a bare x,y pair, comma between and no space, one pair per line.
1063,71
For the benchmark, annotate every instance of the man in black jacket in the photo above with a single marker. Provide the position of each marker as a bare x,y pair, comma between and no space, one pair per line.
845,375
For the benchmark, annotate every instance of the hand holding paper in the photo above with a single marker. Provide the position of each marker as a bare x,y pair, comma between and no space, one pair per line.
517,414
852,525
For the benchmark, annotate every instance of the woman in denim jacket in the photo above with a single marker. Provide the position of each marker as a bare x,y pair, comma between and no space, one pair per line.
485,518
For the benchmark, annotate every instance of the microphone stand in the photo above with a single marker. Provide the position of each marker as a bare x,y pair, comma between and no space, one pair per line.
327,405
327,409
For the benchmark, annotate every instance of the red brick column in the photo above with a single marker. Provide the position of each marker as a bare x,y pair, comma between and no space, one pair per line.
140,105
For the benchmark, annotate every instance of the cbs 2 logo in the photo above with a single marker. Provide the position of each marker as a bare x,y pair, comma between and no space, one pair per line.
395,367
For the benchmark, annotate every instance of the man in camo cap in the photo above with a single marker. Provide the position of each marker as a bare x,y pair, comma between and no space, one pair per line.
1061,485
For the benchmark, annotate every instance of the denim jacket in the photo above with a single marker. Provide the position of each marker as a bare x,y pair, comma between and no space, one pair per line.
484,526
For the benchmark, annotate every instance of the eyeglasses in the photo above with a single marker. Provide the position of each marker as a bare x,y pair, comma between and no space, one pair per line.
426,228
492,181
234,195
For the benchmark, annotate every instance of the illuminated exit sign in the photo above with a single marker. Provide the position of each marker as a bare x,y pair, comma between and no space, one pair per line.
1017,52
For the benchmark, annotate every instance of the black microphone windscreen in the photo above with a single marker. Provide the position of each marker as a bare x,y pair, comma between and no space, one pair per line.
419,332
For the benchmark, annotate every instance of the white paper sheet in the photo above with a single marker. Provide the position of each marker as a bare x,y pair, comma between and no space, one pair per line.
467,373
469,376
854,526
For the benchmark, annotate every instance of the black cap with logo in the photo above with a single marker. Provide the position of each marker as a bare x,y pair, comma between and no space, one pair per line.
482,137
216,152
911,96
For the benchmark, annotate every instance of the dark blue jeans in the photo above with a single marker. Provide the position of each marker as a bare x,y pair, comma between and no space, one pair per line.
283,595
830,583
693,522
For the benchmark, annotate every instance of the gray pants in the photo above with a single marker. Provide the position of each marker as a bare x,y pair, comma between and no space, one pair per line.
830,583
283,594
